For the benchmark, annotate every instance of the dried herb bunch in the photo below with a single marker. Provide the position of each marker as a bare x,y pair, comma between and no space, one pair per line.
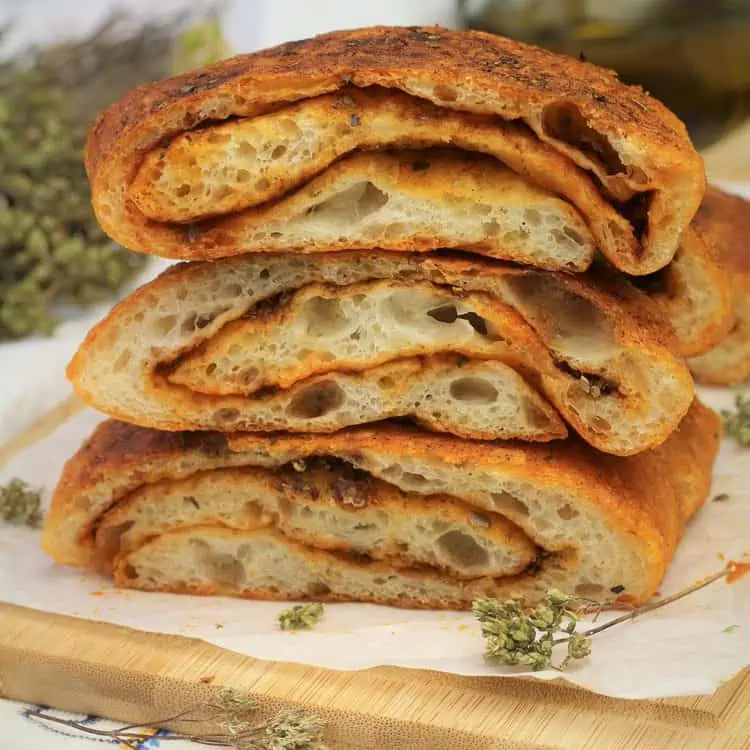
514,637
21,504
518,636
300,617
737,422
234,713
52,250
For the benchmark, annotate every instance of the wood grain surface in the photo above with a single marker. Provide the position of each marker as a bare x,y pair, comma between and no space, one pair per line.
132,676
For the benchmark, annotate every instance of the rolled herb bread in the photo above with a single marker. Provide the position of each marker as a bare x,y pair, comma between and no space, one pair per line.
388,514
174,166
320,342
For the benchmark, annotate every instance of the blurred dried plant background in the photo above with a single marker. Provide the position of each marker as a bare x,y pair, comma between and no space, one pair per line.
52,251
694,55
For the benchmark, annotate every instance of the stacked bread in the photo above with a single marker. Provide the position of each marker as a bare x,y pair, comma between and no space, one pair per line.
428,344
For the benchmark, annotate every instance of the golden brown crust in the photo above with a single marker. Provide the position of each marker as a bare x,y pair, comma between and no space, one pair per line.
383,55
728,363
640,144
724,220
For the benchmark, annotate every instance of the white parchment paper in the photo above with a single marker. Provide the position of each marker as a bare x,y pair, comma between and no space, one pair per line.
688,648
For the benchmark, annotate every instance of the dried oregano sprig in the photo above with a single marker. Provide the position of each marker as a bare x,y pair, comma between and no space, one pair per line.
294,730
51,247
290,729
517,636
52,250
21,504
300,616
737,422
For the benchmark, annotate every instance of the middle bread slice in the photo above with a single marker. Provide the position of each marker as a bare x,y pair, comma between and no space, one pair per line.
314,343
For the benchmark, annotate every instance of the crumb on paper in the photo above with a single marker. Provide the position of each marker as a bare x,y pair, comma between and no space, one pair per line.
219,626
730,629
207,679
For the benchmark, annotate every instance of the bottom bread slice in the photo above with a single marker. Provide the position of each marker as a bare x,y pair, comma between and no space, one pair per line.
388,513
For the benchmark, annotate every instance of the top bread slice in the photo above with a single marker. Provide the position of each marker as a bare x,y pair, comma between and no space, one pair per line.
636,152
724,221
407,200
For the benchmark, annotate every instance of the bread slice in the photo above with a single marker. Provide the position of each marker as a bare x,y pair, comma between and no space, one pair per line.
694,292
295,342
634,148
472,398
324,504
415,200
246,172
724,220
388,514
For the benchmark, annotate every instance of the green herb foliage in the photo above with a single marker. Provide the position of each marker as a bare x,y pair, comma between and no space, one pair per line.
52,250
737,422
300,617
520,636
20,504
515,637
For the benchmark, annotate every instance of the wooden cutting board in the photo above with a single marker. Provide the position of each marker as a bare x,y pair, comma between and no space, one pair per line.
132,676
